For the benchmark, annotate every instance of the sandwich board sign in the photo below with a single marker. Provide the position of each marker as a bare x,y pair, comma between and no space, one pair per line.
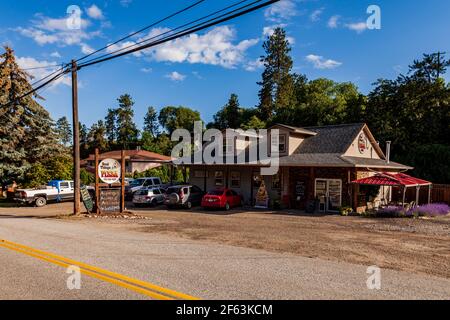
109,171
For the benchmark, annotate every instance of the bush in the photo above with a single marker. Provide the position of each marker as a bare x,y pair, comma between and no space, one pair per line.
345,211
430,210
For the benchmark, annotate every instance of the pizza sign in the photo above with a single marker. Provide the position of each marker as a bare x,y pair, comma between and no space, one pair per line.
109,171
362,143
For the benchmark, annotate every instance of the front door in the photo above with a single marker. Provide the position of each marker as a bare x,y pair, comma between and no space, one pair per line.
329,193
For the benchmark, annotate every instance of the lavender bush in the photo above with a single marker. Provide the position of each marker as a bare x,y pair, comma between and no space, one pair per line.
430,210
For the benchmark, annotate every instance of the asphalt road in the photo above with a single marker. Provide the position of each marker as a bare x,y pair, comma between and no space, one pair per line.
200,269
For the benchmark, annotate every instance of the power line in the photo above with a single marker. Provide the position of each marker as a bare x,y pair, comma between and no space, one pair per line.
143,29
42,67
180,27
199,27
226,17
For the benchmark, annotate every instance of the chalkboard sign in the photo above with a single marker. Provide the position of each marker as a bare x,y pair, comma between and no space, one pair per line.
87,200
110,200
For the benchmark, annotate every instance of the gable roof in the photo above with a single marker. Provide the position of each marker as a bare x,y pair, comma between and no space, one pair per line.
295,129
330,139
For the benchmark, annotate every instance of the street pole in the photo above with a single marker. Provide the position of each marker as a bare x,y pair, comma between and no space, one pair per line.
76,140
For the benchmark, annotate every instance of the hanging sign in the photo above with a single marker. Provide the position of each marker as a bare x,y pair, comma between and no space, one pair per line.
109,171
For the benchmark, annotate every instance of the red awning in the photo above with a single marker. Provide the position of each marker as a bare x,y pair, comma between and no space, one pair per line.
393,179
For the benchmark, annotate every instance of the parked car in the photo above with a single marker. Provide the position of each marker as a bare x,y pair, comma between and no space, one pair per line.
183,196
222,198
138,184
55,190
149,197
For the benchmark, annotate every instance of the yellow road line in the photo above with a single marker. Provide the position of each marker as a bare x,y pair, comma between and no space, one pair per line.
99,273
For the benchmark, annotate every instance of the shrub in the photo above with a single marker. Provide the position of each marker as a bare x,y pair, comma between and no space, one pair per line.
345,211
392,212
430,210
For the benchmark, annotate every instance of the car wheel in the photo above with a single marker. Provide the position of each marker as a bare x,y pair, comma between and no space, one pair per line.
189,205
40,202
227,206
154,203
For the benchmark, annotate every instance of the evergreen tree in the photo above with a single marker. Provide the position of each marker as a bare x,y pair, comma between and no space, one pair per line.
277,84
111,126
84,141
64,131
151,122
230,116
97,137
27,133
127,133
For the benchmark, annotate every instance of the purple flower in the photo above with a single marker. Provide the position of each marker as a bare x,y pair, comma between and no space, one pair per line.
431,210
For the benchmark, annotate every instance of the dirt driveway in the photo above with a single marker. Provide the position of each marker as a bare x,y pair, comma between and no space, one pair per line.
419,246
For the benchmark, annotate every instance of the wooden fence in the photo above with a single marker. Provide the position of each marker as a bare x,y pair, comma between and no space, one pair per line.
440,193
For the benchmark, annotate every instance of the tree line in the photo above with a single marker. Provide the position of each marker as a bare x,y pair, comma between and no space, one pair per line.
412,111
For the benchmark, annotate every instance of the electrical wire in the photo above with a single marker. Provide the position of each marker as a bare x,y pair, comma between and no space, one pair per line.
143,29
180,34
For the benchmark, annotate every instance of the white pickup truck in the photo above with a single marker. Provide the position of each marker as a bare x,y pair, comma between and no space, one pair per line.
56,190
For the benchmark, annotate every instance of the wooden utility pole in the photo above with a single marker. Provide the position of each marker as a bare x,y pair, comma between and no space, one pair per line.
76,140
122,182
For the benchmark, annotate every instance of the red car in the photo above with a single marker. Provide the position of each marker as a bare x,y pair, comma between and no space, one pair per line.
221,199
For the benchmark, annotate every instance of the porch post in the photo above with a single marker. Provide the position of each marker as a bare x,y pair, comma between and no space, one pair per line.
429,194
404,195
417,195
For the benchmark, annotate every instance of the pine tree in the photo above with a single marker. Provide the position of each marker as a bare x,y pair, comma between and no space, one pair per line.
127,135
111,126
27,133
277,84
64,131
229,116
151,122
97,137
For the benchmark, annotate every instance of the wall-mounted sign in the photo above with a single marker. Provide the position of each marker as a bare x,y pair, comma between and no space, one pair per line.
109,171
362,143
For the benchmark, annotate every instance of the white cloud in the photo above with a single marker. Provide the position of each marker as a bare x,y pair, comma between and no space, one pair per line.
215,47
281,11
320,62
55,54
95,12
315,15
45,30
175,76
359,27
254,65
269,30
43,71
333,22
86,49
146,70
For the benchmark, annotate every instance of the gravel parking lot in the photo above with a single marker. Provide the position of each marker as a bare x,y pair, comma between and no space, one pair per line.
415,245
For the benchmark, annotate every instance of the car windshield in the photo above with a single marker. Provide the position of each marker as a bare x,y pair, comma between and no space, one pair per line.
136,183
216,193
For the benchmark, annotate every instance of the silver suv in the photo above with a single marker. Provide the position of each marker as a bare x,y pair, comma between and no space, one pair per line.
141,183
148,197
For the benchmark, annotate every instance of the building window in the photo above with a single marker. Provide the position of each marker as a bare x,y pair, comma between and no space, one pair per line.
235,179
282,143
277,181
218,178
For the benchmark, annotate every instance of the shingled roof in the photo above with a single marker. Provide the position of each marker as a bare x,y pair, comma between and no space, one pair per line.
330,139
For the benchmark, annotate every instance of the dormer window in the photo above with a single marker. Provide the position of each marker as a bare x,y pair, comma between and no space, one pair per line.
282,143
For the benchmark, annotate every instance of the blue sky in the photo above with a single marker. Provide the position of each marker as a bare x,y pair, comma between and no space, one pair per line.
329,39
